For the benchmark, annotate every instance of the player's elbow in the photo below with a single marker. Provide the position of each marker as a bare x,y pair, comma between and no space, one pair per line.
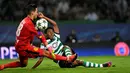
54,24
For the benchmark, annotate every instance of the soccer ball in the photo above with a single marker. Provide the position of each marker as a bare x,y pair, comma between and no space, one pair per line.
42,24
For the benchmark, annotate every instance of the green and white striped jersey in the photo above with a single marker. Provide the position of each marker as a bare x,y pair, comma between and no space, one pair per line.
56,44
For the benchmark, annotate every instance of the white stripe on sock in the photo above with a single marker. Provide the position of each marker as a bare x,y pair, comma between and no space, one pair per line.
101,65
87,64
96,65
92,64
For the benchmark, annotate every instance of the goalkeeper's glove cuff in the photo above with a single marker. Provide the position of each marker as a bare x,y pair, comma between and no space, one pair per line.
50,49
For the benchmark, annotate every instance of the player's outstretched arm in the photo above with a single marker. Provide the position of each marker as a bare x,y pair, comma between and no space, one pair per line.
53,23
43,40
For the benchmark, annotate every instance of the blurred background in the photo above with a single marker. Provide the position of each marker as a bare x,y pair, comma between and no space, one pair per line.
117,10
91,27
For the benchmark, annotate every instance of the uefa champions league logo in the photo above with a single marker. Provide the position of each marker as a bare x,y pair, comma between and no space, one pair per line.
121,49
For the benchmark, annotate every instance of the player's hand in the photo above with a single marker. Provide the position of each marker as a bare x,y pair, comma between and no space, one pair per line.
40,15
50,49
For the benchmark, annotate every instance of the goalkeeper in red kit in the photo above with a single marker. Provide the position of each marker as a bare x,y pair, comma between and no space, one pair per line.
24,36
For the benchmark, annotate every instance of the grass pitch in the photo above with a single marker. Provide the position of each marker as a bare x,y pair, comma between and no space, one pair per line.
122,65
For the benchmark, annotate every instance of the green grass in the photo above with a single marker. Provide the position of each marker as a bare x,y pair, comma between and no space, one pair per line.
48,66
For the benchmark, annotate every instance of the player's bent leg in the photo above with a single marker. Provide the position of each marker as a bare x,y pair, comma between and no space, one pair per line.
58,57
38,52
10,65
65,64
67,50
77,63
22,63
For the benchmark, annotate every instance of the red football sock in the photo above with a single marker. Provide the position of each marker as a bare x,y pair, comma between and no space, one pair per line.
12,65
58,57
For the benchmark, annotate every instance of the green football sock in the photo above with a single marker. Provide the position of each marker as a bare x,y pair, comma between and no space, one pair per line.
90,64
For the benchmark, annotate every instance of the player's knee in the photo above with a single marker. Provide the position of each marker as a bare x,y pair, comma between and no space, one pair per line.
66,46
78,61
23,65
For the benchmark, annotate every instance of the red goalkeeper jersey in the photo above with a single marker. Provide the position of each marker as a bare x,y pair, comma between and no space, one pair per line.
25,33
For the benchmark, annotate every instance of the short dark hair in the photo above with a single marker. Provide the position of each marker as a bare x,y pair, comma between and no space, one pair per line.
29,8
48,29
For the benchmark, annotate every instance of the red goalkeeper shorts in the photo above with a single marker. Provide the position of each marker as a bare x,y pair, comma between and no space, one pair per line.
30,51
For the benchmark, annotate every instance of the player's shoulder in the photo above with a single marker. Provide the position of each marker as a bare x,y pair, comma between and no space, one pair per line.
57,35
25,21
28,21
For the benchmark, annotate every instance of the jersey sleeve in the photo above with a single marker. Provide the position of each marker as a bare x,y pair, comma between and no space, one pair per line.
41,37
42,46
31,29
57,35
